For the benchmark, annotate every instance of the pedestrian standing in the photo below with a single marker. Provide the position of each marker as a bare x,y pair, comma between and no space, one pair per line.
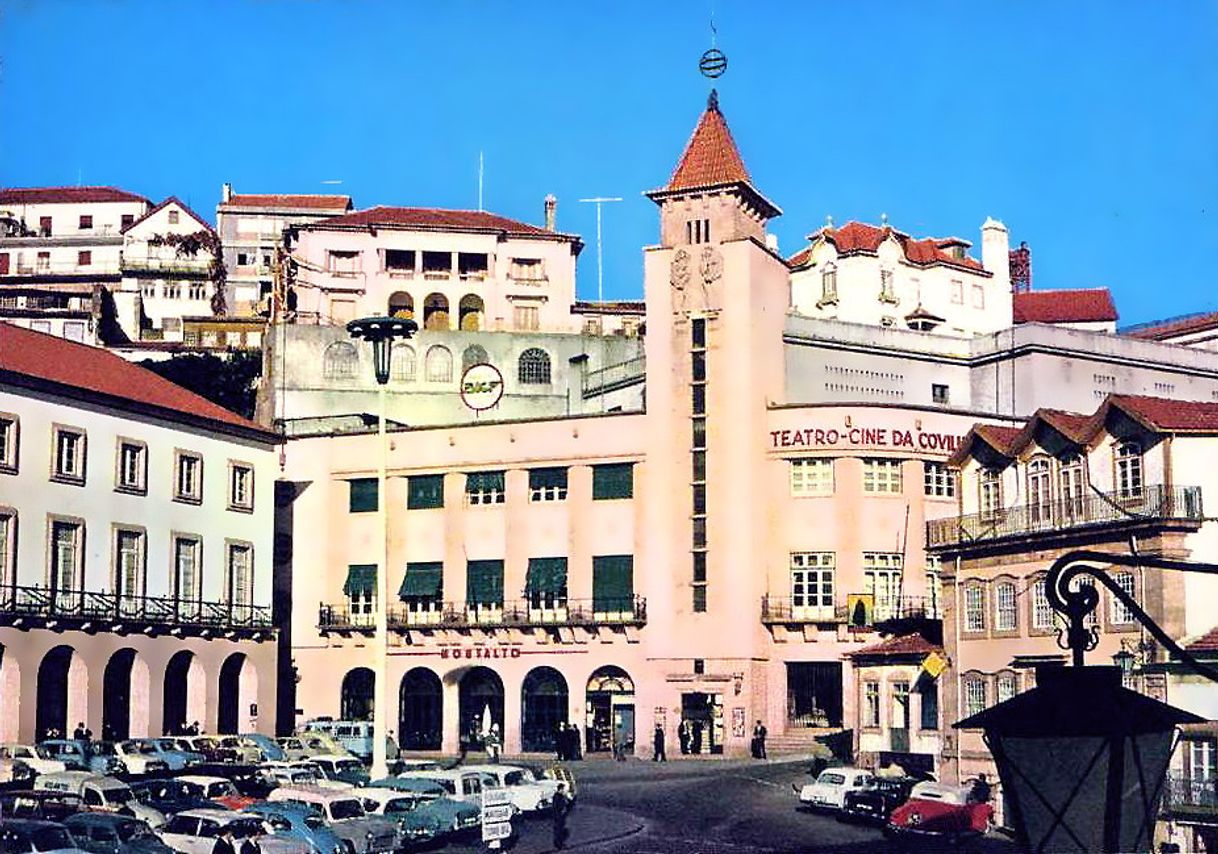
224,842
560,736
696,746
575,749
683,734
759,734
657,754
493,744
562,806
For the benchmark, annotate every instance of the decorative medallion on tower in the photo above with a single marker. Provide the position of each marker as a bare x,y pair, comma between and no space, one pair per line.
711,265
678,275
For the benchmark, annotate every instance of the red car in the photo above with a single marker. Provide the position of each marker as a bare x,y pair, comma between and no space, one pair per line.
936,815
217,789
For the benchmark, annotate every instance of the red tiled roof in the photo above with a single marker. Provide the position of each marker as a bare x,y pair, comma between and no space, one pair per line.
803,256
1170,328
179,203
289,200
1085,305
1208,642
438,219
1001,439
711,156
898,645
1072,425
860,237
37,355
65,195
1159,413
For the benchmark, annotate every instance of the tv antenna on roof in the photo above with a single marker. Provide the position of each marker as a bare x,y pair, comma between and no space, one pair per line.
600,271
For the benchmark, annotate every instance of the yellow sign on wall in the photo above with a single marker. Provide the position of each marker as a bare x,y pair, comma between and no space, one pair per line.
934,664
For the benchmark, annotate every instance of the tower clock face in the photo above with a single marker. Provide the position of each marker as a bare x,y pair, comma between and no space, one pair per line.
679,274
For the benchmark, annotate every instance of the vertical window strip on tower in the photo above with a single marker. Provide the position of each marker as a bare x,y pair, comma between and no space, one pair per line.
698,437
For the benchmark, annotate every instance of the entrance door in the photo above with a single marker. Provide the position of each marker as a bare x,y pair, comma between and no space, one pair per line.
702,721
609,693
814,694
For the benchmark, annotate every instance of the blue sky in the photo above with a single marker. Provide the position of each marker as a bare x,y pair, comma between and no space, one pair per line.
1088,126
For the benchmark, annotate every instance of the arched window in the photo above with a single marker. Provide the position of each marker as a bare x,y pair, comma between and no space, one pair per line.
402,363
470,313
435,312
1004,607
473,355
401,304
1129,470
1073,482
1040,492
974,608
991,492
828,284
438,367
340,361
534,367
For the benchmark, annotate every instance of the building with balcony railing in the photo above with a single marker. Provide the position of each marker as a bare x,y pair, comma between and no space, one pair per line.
135,550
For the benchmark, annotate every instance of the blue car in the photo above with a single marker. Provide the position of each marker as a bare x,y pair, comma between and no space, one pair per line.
75,757
271,751
298,822
175,757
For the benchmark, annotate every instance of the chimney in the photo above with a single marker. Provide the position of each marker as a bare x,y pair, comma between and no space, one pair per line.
551,211
996,253
226,192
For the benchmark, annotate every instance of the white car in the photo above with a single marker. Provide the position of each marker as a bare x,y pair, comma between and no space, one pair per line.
829,790
138,757
461,784
528,794
195,832
38,758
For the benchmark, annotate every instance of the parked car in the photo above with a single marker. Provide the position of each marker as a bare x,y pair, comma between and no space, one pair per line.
415,827
73,755
829,790
354,736
460,784
343,813
195,832
296,822
135,756
207,746
43,806
528,794
307,745
242,750
432,797
175,756
14,772
170,796
99,794
251,780
105,833
271,751
217,789
937,815
345,768
877,801
37,757
25,836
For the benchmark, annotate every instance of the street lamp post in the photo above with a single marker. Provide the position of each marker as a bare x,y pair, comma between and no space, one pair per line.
380,332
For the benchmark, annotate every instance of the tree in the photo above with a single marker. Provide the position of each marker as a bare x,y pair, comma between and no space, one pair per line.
229,382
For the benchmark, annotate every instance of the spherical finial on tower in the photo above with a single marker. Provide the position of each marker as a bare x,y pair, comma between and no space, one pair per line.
713,63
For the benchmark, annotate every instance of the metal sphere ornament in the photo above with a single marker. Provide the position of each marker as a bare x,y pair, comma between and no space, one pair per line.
713,63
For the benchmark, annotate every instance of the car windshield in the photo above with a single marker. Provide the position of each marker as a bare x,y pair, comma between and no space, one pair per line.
165,744
346,808
138,747
219,789
117,795
41,752
129,830
517,778
831,778
246,827
205,743
182,825
348,765
305,777
314,822
394,805
51,838
184,790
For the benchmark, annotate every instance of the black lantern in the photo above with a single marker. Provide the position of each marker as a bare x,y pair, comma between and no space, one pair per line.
1123,659
1082,760
380,332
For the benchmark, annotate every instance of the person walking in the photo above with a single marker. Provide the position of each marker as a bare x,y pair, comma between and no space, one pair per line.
561,806
759,734
657,753
493,744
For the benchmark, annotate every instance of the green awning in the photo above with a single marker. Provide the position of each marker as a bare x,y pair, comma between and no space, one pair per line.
422,580
361,579
547,575
613,583
484,582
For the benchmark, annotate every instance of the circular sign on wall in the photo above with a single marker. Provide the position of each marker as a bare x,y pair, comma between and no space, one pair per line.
481,386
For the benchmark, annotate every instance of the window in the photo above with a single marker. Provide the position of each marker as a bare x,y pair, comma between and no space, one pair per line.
132,474
930,704
697,393
1008,687
533,367
423,586
340,361
882,476
188,477
66,560
1078,581
957,293
1119,612
44,226
363,497
871,704
697,333
974,608
8,541
976,695
360,590
698,366
990,486
1129,470
1004,607
239,581
425,492
8,443
171,290
476,355
698,428
549,484
610,481
1073,483
828,284
484,583
240,486
900,706
698,597
74,330
84,258
978,296
886,287
938,481
343,263
940,394
43,262
613,584
196,291
546,583
148,288
698,464
697,231
86,221
401,363
1202,766
1040,492
128,568
934,586
811,477
526,317
399,260
812,584
484,487
526,270
69,462
1042,611
438,365
882,579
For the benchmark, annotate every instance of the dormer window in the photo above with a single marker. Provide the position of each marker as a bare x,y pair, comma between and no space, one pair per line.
697,231
828,286
990,485
1129,470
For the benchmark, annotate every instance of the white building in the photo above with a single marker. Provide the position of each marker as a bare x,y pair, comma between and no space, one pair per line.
136,524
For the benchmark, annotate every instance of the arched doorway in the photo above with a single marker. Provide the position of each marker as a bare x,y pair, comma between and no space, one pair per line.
610,710
470,312
420,710
125,690
481,691
63,693
543,703
435,312
401,304
238,695
185,696
357,699
10,695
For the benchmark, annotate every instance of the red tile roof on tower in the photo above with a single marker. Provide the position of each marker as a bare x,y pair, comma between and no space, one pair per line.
860,237
711,156
1173,416
26,356
1084,305
438,219
65,195
288,200
898,645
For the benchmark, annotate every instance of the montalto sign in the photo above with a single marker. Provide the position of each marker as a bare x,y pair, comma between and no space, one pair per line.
865,437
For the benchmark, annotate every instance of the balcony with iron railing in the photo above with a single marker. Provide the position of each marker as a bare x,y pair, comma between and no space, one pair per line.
522,613
62,269
611,377
865,612
1153,503
199,266
1186,796
41,607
